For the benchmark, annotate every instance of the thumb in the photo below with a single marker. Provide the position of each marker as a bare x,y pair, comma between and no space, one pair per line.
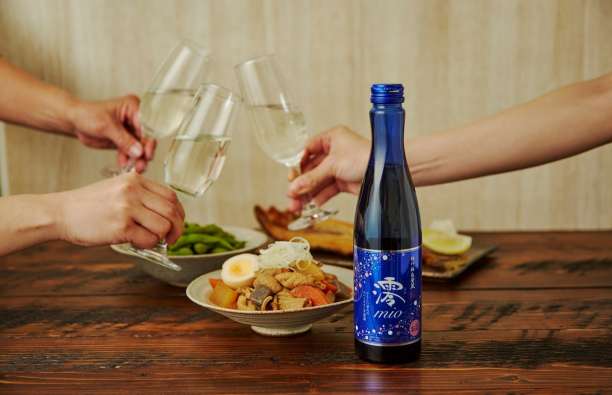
124,141
313,180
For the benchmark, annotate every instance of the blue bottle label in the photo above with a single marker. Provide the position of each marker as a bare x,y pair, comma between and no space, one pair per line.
387,296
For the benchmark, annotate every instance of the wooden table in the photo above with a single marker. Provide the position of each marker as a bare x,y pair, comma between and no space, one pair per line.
537,316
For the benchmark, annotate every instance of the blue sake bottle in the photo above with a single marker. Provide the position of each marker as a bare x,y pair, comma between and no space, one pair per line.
387,251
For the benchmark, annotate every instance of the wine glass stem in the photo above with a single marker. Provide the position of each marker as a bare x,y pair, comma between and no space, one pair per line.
309,205
129,166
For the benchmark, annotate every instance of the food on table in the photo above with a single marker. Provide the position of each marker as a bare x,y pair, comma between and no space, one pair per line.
208,239
223,295
284,276
441,237
331,235
337,237
239,271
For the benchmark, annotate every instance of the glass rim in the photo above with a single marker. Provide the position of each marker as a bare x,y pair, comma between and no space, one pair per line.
255,60
220,91
194,45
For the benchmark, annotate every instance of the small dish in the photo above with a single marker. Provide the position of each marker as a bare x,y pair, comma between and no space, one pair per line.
271,323
193,266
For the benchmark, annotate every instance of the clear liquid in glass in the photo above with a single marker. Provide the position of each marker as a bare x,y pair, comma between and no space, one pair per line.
281,134
193,165
161,113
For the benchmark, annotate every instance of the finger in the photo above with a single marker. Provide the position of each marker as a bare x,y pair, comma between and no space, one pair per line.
325,194
149,148
152,221
122,159
140,165
159,189
165,193
170,211
316,145
124,140
293,174
140,237
295,205
312,162
312,180
131,114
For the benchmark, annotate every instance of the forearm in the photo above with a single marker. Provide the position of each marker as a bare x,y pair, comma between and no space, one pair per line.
560,124
27,101
27,220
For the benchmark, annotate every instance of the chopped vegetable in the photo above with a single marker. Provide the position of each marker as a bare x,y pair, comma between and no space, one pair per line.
282,253
327,286
198,239
224,296
291,303
315,295
214,281
311,268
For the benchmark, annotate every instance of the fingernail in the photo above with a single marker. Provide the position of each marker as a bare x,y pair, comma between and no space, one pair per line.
136,150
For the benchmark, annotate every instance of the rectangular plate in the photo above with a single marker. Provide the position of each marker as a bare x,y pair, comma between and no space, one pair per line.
452,268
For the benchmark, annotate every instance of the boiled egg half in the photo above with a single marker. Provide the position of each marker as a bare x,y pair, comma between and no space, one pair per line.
239,271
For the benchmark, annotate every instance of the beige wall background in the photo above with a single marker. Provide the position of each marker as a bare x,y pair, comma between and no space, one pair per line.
459,60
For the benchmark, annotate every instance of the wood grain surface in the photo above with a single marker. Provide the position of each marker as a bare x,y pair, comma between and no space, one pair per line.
536,317
459,60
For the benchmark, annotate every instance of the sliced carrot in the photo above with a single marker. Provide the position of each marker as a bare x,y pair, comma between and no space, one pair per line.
315,295
214,281
329,286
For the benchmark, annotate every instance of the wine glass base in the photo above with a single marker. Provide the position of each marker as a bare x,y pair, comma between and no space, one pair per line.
156,257
308,219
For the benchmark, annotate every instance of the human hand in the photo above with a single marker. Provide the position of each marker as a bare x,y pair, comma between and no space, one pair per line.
125,208
113,123
333,162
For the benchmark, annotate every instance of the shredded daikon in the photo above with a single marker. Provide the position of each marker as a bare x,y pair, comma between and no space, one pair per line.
281,254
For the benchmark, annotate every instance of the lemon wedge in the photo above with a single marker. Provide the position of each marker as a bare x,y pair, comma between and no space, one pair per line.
445,242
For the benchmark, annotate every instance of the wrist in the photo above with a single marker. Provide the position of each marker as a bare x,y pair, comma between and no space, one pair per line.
72,107
52,215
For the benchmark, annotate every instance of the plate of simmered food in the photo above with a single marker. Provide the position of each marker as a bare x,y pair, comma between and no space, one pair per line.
281,291
446,253
199,250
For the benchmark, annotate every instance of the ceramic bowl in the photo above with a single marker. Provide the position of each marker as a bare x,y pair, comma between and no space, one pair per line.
271,323
193,266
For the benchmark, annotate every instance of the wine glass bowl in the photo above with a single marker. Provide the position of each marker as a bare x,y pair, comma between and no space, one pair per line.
197,154
278,123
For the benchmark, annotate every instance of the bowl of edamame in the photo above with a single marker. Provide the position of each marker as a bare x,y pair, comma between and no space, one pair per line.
200,249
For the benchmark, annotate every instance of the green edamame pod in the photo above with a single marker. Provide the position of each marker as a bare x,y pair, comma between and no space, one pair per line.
182,251
200,248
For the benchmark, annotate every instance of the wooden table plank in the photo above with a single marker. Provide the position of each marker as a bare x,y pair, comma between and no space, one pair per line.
468,310
523,260
535,318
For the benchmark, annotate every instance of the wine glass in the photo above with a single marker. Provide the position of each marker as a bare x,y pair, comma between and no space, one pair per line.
170,95
279,125
197,154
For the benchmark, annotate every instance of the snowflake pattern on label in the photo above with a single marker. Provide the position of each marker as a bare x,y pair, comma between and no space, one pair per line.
387,296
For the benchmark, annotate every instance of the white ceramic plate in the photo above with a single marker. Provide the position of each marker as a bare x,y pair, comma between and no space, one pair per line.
193,266
271,323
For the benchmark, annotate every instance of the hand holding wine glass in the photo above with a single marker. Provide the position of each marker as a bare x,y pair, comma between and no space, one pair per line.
169,97
334,161
278,123
197,154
